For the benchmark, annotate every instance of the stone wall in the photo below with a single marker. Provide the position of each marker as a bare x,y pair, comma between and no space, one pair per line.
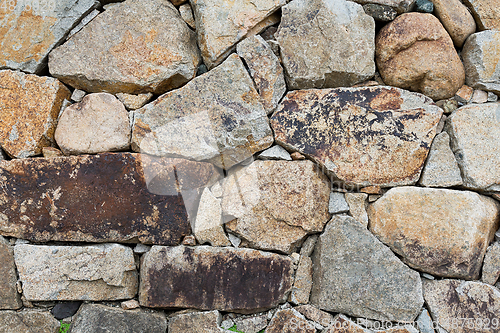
249,166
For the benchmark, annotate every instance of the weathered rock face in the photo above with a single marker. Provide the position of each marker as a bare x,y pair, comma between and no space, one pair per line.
457,20
100,318
289,321
355,274
252,324
102,198
209,278
481,54
475,140
215,117
463,306
401,6
439,231
98,124
28,321
361,136
194,322
486,13
208,224
220,24
133,47
491,264
342,324
326,43
29,108
30,30
415,52
313,313
9,298
94,272
303,282
275,204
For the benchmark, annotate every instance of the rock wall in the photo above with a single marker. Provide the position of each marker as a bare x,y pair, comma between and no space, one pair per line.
249,166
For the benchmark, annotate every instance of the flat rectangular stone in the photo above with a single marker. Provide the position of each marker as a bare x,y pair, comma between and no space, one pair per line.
100,198
210,278
9,298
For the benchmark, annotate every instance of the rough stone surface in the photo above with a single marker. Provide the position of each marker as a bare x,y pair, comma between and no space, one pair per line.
187,15
491,265
380,12
220,24
78,95
303,282
210,278
196,322
337,203
274,204
251,324
93,272
65,310
438,231
357,206
441,168
29,32
216,117
130,304
71,198
265,69
134,102
463,306
415,52
289,321
475,141
29,106
9,298
342,324
355,274
456,19
464,94
486,13
326,43
481,55
101,318
479,97
208,224
401,6
424,322
313,313
308,245
132,47
28,321
361,136
99,123
275,153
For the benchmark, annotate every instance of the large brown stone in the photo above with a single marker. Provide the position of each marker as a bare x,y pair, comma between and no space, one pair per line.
415,52
457,20
9,298
361,136
211,278
439,231
101,198
486,13
29,106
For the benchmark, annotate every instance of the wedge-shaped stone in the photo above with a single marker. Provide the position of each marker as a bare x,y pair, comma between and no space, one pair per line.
9,298
28,321
438,231
29,106
210,278
137,46
361,136
30,29
354,273
102,198
93,272
216,117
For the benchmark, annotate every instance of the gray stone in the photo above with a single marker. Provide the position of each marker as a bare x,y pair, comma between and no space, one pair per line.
215,117
308,245
401,6
491,264
92,272
355,274
313,313
83,23
424,6
133,47
275,153
486,13
337,203
141,248
479,97
289,321
303,282
492,97
196,322
134,102
78,95
235,241
326,43
480,57
207,227
28,321
101,318
265,69
441,168
380,12
187,15
252,324
424,322
9,298
357,206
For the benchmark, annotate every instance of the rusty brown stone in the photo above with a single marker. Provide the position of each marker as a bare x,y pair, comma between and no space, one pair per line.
29,108
464,94
371,136
213,278
99,198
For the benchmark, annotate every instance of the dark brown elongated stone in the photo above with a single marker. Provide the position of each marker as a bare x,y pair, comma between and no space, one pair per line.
100,198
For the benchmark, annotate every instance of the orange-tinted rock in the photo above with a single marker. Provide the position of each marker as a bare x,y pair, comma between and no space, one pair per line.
29,106
99,198
370,136
415,52
486,13
457,20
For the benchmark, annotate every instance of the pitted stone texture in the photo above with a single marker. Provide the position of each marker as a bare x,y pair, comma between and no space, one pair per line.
481,54
98,124
491,264
9,298
275,204
29,106
265,69
486,13
31,29
475,140
355,274
463,306
211,278
133,47
380,12
401,6
216,117
456,19
415,52
134,102
326,43
357,206
196,322
221,24
93,272
289,321
100,198
338,203
208,224
101,318
342,324
361,136
303,282
313,313
28,321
